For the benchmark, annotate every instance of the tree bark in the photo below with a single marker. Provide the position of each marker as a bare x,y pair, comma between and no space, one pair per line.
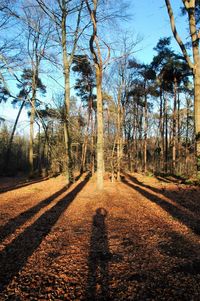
66,71
119,134
166,133
187,138
190,6
162,141
100,143
197,113
145,134
32,118
97,58
178,128
92,145
84,151
174,136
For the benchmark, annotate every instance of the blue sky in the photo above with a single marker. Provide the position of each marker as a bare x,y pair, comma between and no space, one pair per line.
150,20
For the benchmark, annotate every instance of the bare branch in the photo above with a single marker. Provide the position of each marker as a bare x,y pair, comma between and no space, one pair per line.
176,35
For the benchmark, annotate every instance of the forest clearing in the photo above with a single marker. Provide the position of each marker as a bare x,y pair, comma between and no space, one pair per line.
99,150
136,240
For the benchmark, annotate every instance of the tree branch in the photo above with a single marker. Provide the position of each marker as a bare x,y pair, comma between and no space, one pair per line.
176,35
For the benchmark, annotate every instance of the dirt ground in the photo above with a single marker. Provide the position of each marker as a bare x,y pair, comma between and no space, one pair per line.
136,240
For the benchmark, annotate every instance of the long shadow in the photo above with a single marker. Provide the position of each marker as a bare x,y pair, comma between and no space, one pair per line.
169,178
20,185
16,254
99,256
186,218
174,195
23,217
162,179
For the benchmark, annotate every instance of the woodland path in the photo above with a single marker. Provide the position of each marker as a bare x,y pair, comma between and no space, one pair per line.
136,240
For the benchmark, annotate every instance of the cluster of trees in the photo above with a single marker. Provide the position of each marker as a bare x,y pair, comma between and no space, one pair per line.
110,111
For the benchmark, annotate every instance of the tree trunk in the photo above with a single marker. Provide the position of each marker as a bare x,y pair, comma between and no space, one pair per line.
178,130
100,143
92,146
140,138
136,139
35,67
174,128
190,6
66,70
66,138
32,117
197,113
39,150
166,134
119,134
145,134
84,152
187,139
162,140
46,152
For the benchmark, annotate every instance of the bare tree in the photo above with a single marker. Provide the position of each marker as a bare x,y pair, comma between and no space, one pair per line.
60,13
38,31
95,49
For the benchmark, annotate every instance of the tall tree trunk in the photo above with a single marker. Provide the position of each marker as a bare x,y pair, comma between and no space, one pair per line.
178,129
84,151
46,155
97,58
66,69
187,138
119,134
145,134
194,33
136,138
92,145
100,143
166,134
32,118
197,112
162,139
174,142
140,138
39,150
108,120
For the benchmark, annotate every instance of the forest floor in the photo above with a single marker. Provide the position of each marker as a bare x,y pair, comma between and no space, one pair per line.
136,240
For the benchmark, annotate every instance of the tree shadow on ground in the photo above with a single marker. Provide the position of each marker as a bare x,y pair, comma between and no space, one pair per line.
27,182
15,255
170,178
21,184
175,195
23,217
186,216
99,257
177,245
163,179
184,268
